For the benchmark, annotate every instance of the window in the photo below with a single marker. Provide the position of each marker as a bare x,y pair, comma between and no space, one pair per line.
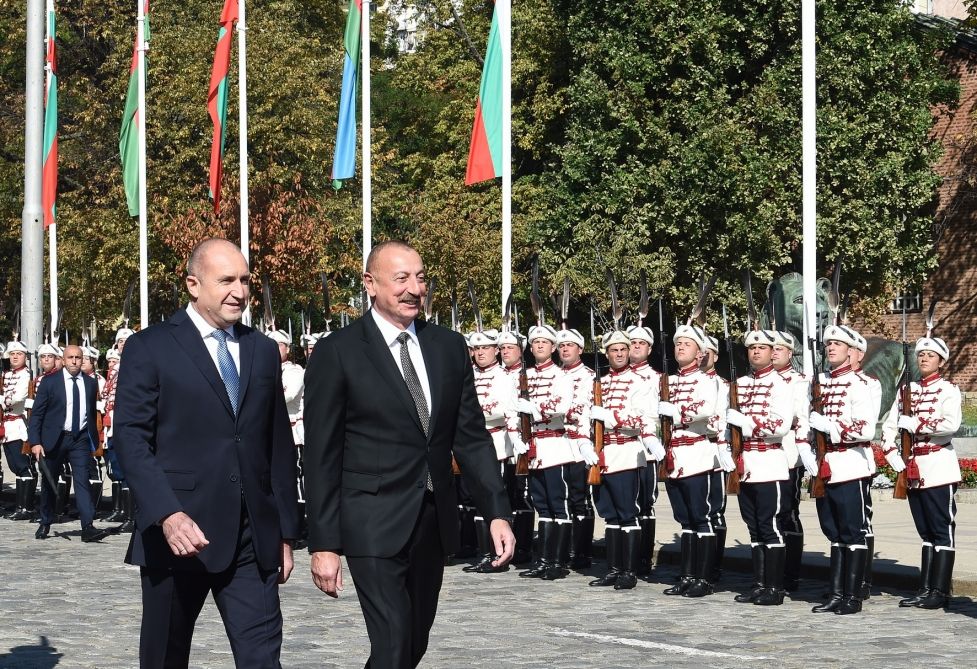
911,300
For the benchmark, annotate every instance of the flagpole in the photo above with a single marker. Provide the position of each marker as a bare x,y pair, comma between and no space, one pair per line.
809,265
242,111
141,135
505,36
53,228
367,157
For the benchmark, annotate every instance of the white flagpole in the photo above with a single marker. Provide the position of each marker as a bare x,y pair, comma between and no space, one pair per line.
504,8
242,79
367,158
141,130
809,254
53,228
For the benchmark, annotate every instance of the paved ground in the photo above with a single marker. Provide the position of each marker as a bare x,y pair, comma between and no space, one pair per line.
73,605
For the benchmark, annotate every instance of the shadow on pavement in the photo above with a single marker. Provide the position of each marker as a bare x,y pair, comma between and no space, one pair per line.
40,656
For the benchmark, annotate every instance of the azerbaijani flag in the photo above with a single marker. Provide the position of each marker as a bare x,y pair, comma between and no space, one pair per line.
485,153
344,160
129,134
49,174
217,99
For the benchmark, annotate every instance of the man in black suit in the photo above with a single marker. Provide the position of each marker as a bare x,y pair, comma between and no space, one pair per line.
203,436
388,400
62,429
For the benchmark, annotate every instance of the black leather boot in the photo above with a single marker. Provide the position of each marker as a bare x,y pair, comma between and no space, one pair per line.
483,538
792,563
582,543
646,557
925,578
942,582
539,562
466,524
631,545
717,568
758,555
836,580
61,498
705,554
522,528
773,577
865,591
558,551
686,570
613,543
113,515
22,509
128,515
95,489
853,582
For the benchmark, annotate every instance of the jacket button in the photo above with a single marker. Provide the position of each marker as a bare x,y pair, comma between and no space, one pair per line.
237,438
233,478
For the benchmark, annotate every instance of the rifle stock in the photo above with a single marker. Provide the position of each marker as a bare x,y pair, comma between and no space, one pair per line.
816,488
901,491
593,477
525,424
666,422
26,448
735,441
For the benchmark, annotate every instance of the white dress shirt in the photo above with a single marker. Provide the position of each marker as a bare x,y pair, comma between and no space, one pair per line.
70,404
390,332
207,333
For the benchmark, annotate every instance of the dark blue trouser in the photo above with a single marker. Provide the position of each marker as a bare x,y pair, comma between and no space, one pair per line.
935,514
649,489
842,512
76,451
578,492
19,463
762,505
717,498
618,498
790,520
549,492
114,468
689,497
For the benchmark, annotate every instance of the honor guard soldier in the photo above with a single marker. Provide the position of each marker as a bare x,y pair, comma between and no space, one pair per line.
16,388
764,416
716,433
122,503
641,340
496,395
627,412
570,345
800,457
89,366
511,347
850,410
293,382
550,394
689,461
932,471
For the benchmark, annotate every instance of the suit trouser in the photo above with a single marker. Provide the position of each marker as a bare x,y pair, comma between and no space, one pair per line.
247,599
75,450
399,594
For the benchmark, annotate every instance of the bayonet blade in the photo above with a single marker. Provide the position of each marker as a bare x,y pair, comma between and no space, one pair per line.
534,297
700,306
642,298
929,318
455,325
565,302
751,319
127,303
507,314
269,313
474,300
616,310
326,305
432,285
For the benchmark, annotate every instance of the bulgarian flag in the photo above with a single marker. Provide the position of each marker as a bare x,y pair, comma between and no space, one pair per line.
49,175
485,153
129,135
344,160
217,99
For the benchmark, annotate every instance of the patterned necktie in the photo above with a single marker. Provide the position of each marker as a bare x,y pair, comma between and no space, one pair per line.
228,371
75,406
416,391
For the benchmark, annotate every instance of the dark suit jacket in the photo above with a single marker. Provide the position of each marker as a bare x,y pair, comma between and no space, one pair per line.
366,455
46,426
183,450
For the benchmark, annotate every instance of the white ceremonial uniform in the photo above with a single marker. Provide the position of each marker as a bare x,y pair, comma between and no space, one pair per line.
797,437
496,396
716,426
694,395
552,392
936,406
765,398
513,435
577,419
652,380
293,383
15,387
628,396
849,401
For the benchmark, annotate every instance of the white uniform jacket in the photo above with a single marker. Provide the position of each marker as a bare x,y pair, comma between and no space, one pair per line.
293,383
694,395
652,378
577,419
716,426
551,391
15,387
796,438
765,398
628,397
850,402
496,395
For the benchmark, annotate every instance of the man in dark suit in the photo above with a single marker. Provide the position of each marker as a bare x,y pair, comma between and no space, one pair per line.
388,400
203,436
62,429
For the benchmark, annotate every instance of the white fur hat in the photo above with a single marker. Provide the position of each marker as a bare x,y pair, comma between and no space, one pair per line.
614,337
542,332
123,334
13,346
50,349
843,334
693,332
484,338
112,354
91,352
512,337
571,337
760,337
785,339
280,336
934,344
643,333
712,344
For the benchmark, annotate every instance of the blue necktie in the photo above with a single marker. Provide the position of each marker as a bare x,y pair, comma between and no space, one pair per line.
228,371
75,406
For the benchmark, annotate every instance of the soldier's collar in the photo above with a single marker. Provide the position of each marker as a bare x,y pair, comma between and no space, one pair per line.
513,367
931,379
485,369
759,373
840,371
692,368
618,372
574,366
639,365
543,365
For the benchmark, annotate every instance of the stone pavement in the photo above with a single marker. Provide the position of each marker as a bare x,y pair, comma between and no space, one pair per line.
69,605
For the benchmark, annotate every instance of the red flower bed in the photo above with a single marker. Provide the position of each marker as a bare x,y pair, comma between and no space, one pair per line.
968,468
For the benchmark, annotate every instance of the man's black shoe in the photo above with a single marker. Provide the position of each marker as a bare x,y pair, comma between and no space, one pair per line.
92,533
42,531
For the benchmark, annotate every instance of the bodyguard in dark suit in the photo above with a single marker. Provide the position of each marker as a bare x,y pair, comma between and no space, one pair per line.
203,436
388,400
62,429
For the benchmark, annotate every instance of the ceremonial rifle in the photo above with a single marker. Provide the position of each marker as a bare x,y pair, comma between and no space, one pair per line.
735,433
816,488
326,306
593,477
663,392
525,422
906,438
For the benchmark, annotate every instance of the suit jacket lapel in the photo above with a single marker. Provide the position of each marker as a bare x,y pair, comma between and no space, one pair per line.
379,354
246,352
432,362
188,337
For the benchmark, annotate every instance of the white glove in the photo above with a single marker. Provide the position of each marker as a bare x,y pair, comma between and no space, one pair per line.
589,454
100,406
725,458
895,460
820,423
653,447
742,421
518,447
910,423
29,403
526,406
809,460
667,409
604,415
